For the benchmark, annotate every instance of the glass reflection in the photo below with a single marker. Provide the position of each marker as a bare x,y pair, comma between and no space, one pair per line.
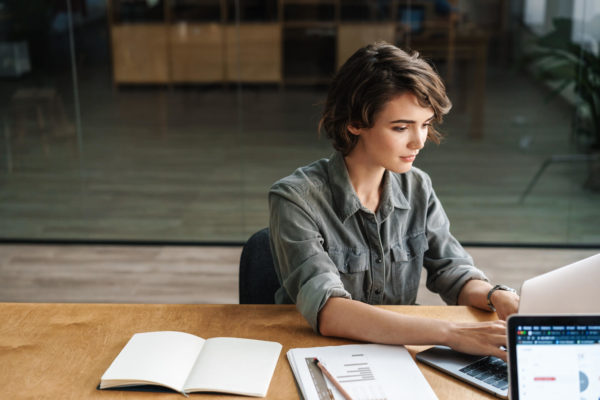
168,120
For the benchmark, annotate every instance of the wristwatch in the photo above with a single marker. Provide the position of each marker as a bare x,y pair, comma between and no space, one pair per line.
492,290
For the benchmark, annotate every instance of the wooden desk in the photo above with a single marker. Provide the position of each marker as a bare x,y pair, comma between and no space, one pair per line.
60,351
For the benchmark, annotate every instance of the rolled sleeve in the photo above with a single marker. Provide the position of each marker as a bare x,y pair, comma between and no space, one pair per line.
449,266
306,273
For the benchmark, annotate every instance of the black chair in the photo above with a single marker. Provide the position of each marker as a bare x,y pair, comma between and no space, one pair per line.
258,281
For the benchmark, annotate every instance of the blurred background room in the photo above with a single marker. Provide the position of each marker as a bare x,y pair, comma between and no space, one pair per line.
139,138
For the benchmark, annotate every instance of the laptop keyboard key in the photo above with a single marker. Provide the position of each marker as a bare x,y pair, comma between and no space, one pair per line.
502,384
491,370
471,372
482,375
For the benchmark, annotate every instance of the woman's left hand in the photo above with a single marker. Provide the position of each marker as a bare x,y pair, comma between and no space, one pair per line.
505,303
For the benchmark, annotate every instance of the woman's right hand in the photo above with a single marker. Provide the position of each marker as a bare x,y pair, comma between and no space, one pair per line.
481,338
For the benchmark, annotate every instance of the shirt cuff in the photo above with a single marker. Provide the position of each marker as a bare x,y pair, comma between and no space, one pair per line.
314,294
462,275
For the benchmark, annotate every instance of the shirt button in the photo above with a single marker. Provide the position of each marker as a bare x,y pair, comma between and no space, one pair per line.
378,261
378,291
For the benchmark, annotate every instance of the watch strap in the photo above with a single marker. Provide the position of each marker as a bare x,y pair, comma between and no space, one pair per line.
491,292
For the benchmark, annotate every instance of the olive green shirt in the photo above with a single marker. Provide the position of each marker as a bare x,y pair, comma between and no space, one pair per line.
326,244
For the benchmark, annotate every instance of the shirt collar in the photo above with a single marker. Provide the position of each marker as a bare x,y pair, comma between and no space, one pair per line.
344,195
391,196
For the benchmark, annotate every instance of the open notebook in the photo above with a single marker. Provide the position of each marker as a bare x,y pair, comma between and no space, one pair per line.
187,363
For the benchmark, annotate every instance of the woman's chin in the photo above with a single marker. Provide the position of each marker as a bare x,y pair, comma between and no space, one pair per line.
401,169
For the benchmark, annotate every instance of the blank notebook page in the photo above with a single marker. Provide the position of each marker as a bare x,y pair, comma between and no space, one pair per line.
171,357
241,366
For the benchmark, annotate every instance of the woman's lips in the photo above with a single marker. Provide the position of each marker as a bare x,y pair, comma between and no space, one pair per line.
408,158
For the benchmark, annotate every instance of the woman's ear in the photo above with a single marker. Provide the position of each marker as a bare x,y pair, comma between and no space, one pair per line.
353,129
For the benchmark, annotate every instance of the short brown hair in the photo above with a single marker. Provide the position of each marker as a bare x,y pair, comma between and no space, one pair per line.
370,78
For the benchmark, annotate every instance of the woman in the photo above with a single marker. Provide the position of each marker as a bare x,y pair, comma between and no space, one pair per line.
354,230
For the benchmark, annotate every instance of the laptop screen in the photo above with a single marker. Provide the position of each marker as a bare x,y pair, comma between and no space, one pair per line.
554,357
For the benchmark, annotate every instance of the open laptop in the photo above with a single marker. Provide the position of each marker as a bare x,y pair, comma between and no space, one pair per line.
554,357
569,289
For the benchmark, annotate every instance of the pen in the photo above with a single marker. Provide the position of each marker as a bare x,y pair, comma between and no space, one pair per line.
332,379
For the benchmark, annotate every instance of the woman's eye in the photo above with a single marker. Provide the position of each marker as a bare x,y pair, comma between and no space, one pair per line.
399,128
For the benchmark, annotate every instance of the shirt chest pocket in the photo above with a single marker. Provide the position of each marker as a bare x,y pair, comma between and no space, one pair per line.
407,261
353,268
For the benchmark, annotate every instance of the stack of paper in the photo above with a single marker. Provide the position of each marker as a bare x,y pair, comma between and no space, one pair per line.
365,371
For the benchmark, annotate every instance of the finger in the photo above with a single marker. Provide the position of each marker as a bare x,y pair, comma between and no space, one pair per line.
498,352
496,324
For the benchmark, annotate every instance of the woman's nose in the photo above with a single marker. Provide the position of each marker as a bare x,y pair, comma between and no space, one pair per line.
418,140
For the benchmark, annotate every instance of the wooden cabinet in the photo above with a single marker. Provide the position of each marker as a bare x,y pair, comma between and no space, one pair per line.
261,41
194,41
250,41
136,59
197,52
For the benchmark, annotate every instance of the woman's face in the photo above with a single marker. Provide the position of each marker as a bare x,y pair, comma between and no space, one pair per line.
399,132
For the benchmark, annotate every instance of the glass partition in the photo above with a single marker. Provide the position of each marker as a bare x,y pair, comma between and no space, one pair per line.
168,120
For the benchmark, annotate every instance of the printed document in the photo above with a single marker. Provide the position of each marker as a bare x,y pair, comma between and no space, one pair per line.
365,371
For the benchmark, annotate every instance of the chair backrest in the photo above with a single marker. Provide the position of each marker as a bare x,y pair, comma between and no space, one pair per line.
258,280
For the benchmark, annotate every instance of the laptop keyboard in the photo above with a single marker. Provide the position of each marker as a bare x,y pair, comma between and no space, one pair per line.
491,370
